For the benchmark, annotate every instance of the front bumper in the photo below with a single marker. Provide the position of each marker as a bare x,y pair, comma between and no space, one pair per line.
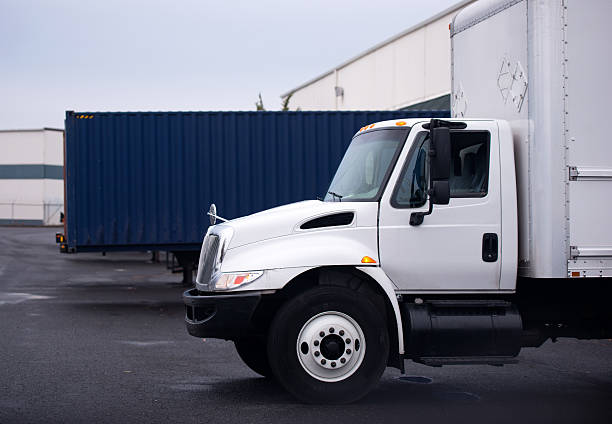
219,316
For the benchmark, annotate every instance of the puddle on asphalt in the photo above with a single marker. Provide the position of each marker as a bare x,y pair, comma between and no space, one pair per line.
89,279
146,344
416,379
13,298
458,396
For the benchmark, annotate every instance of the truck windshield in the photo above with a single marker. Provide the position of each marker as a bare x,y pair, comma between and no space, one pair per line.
366,165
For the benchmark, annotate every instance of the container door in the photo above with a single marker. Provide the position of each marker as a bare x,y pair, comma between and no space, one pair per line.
458,246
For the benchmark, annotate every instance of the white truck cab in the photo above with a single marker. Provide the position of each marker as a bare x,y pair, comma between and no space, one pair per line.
431,243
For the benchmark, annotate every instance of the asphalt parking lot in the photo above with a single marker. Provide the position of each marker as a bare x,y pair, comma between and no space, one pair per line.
92,338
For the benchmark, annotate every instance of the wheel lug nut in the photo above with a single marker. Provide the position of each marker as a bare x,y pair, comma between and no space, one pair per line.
321,334
333,364
348,341
316,353
348,351
316,343
323,361
342,360
331,330
341,332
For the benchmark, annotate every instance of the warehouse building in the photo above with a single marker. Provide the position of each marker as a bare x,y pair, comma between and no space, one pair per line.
31,176
409,71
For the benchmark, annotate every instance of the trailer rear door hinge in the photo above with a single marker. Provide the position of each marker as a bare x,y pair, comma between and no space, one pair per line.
574,252
573,173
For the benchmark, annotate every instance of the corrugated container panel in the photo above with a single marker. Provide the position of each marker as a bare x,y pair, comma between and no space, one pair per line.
145,180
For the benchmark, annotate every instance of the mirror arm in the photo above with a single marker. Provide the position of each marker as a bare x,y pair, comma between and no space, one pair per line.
416,218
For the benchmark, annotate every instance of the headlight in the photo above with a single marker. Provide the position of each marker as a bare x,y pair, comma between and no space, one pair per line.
232,280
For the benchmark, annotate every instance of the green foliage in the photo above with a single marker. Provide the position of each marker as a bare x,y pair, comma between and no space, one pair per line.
285,106
259,104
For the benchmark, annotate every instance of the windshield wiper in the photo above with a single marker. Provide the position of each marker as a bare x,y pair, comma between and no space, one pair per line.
339,196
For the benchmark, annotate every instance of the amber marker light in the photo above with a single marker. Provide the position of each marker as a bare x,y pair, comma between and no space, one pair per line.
400,123
367,260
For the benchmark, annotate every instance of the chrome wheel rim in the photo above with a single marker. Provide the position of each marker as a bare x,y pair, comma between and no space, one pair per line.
331,346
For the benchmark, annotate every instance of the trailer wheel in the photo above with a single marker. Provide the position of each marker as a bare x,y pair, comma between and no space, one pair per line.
252,351
328,345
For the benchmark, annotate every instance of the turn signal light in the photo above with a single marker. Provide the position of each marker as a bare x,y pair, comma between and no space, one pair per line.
367,260
232,280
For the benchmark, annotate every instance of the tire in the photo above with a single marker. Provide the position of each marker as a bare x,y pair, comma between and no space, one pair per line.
306,332
253,353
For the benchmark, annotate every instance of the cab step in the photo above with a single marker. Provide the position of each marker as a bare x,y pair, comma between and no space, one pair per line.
467,360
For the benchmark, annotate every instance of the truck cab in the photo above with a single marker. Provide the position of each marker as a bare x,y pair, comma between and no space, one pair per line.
324,294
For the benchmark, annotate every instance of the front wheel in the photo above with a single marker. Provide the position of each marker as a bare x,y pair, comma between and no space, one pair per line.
329,345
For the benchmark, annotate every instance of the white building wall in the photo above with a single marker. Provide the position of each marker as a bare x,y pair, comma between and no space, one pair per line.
315,96
31,177
407,69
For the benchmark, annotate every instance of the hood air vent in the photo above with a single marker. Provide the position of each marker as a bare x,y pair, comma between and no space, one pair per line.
333,220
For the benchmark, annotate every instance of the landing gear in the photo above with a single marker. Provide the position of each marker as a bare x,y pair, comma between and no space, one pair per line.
187,260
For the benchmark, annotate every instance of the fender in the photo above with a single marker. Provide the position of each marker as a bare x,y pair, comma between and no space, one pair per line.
276,279
387,285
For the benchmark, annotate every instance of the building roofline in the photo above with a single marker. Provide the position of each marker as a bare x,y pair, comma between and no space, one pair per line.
33,130
413,28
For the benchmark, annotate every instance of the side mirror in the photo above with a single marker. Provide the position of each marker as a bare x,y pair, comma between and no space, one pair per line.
440,192
439,171
440,153
439,163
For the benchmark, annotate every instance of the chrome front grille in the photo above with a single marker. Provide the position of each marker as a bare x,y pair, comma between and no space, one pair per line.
208,259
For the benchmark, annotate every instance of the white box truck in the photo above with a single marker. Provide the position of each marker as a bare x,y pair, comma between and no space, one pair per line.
442,242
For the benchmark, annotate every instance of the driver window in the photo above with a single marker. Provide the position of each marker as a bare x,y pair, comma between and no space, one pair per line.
469,173
412,191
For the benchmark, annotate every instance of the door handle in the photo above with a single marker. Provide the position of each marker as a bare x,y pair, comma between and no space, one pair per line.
489,247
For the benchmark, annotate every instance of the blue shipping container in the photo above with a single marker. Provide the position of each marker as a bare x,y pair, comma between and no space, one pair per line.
145,180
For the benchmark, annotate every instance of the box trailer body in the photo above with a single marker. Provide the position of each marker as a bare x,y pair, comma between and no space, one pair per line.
144,180
543,67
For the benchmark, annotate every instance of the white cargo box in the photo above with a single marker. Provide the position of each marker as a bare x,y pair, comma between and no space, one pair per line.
544,66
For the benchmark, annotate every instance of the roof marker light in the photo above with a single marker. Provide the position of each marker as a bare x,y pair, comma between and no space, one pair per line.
367,260
400,123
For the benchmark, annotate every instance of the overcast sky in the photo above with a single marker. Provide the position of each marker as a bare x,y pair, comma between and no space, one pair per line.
112,55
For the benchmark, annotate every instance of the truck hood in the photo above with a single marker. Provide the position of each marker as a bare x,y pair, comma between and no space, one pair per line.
286,220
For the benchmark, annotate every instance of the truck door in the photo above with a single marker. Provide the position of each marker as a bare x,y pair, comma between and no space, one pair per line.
458,246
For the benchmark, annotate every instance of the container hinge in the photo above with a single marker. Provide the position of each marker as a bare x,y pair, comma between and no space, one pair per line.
574,252
573,173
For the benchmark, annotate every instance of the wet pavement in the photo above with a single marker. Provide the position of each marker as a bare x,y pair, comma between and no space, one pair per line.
97,338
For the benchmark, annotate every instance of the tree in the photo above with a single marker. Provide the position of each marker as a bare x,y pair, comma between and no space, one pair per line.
259,105
285,106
